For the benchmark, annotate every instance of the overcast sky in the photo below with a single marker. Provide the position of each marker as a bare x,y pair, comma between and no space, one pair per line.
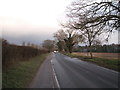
32,20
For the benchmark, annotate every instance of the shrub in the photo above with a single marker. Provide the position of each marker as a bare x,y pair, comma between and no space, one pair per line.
13,53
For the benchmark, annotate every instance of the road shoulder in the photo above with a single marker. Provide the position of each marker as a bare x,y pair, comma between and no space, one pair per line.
44,77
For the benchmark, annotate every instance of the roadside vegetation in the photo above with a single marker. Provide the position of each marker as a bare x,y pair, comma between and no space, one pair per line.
12,54
88,26
86,22
20,63
21,74
108,63
90,23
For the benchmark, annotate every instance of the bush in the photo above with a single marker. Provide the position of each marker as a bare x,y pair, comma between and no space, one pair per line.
13,53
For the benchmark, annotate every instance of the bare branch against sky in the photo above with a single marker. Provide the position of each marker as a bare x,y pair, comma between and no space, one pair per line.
32,20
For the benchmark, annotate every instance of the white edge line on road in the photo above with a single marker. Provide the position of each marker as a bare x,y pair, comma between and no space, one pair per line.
55,76
99,66
108,69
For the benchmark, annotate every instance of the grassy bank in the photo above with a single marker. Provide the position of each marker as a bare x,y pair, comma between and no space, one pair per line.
20,75
108,63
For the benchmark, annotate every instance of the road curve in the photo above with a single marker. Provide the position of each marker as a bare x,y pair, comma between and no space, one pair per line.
74,73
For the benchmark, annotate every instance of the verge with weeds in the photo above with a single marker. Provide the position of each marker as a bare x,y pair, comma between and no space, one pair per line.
108,63
20,75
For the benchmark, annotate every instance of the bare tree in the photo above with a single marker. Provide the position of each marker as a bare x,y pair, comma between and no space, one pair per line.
61,46
89,34
97,42
101,14
49,44
68,38
93,19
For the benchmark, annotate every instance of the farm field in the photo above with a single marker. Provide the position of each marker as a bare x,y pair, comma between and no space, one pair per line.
100,55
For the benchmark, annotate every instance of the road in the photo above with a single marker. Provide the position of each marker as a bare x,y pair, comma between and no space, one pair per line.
60,71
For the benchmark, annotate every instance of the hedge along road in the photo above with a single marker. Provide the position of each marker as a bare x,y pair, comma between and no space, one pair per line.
60,71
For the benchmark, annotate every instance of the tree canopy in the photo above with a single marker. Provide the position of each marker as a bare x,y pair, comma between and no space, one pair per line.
92,19
68,38
104,15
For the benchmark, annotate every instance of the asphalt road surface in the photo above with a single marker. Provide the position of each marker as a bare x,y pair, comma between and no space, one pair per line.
60,71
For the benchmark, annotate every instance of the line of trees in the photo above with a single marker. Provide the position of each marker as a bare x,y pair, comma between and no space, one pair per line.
49,45
13,53
66,39
91,19
112,48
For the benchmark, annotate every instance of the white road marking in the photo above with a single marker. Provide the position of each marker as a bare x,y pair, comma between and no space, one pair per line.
55,76
98,66
107,69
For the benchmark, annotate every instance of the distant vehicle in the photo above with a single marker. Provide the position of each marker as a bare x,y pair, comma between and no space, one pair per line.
55,51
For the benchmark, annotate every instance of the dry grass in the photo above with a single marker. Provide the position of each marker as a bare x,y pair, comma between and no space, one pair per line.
100,55
21,75
107,60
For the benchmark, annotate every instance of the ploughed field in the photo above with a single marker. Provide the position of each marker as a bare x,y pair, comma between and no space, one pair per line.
100,55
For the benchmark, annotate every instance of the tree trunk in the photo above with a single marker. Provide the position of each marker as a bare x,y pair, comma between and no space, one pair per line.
90,49
69,49
91,56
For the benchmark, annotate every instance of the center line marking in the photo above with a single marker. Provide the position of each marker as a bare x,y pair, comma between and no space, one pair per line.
55,76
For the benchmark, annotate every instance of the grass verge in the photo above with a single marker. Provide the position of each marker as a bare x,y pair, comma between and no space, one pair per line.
108,63
22,74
